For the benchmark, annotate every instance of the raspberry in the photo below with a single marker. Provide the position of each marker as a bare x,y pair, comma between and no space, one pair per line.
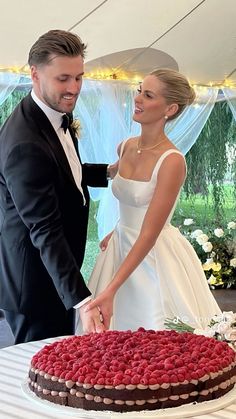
181,377
126,379
101,380
135,379
179,363
152,380
174,378
69,375
144,381
165,378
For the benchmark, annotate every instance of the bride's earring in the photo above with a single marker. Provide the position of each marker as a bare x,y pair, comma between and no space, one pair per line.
166,117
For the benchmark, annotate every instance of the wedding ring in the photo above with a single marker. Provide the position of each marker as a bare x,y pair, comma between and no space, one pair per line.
100,314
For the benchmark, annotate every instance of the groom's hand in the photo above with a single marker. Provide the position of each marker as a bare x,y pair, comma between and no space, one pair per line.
91,320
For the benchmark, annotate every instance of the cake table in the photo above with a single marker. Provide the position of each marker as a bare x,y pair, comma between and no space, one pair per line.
14,403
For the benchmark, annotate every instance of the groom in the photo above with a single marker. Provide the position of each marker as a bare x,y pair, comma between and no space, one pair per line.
44,200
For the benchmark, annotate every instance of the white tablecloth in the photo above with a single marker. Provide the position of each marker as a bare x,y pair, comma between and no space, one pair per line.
14,366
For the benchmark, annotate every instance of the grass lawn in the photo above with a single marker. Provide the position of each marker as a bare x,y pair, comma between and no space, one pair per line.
202,211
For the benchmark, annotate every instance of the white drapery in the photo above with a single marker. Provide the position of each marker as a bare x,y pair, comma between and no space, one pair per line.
105,111
8,83
108,120
230,96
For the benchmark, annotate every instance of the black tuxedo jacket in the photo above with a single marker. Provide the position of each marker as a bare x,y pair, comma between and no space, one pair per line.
43,221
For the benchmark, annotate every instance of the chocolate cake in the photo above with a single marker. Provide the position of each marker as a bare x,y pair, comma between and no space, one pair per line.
133,371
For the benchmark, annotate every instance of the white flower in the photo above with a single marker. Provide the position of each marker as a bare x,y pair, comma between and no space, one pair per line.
207,247
219,232
202,238
208,264
231,225
216,266
217,318
233,262
196,233
212,280
228,316
188,221
222,328
231,335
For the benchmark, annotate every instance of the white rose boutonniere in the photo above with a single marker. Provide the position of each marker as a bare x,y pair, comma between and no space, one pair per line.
76,127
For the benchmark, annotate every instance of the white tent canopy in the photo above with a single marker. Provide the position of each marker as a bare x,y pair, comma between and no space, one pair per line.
197,37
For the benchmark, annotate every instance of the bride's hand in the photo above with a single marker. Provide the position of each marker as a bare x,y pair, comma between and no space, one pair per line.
105,304
104,243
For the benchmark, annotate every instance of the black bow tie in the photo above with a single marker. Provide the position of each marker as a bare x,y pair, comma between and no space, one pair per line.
65,122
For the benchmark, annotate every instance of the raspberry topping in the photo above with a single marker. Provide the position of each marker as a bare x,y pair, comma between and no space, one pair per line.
141,357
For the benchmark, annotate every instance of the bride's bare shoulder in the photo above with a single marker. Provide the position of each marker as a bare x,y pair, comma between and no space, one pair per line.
125,144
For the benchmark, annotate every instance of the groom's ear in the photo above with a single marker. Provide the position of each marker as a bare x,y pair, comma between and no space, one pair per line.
34,73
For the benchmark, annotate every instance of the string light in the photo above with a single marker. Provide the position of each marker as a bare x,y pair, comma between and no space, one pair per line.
16,69
111,74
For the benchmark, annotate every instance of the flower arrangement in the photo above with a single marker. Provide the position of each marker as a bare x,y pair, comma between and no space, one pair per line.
221,327
216,249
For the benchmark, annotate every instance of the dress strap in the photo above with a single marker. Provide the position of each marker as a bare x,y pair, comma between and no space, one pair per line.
162,158
122,147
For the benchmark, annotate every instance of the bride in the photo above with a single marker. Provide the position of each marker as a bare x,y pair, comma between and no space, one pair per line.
147,271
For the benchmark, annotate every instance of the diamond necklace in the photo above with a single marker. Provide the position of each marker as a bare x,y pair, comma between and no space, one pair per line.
140,149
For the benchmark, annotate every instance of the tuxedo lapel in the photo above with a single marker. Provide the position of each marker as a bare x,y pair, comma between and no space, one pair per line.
46,130
75,142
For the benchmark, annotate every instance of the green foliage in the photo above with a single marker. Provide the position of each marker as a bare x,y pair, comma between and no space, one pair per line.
92,245
208,160
10,103
202,210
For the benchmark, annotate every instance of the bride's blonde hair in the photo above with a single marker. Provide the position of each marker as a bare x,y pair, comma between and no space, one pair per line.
176,89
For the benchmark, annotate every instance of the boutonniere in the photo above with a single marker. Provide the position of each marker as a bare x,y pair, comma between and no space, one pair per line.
76,127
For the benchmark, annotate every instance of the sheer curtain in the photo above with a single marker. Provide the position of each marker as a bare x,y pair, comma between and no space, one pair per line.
8,83
105,110
230,96
184,130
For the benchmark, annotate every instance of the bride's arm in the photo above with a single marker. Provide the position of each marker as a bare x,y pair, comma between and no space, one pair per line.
169,181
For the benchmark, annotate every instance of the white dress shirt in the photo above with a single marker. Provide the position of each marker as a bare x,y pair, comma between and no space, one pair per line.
66,141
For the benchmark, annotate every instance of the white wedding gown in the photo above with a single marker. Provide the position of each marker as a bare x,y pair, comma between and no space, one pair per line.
169,282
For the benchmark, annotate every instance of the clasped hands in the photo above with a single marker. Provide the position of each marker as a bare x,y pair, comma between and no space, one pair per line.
96,314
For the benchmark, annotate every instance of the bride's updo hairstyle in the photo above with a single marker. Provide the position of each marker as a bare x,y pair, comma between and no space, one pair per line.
176,89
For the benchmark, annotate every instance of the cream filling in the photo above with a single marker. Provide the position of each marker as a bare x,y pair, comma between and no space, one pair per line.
69,383
98,399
